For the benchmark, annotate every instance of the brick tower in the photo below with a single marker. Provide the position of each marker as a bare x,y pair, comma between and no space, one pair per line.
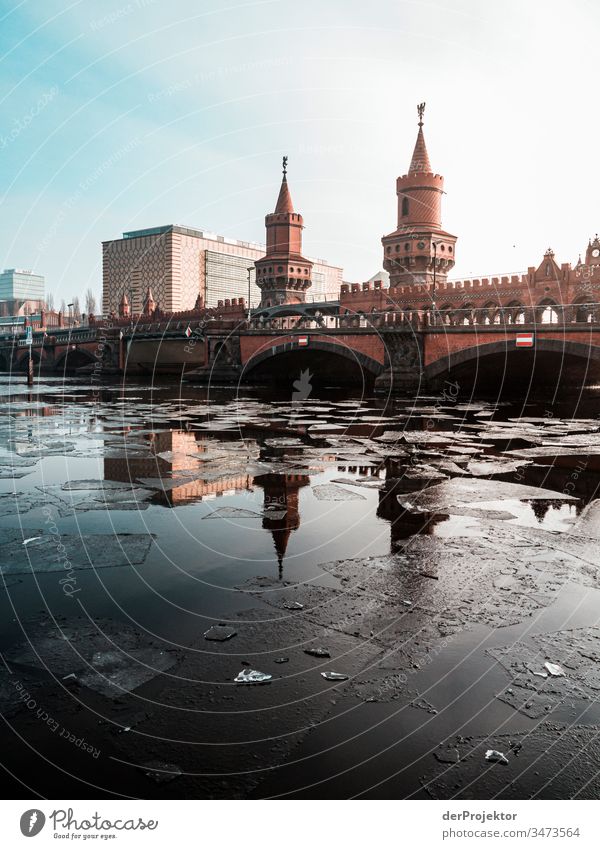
418,244
283,275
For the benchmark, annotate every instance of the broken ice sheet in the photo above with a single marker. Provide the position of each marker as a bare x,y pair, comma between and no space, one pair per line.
252,676
334,676
90,551
460,491
220,633
108,657
232,513
332,492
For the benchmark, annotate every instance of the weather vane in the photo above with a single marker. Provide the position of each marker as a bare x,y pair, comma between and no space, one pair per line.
421,110
285,159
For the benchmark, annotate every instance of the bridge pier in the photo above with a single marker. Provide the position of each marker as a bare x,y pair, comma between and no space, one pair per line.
403,362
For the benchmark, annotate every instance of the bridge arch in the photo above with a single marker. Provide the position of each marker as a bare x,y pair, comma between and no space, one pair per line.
73,358
500,363
328,362
22,361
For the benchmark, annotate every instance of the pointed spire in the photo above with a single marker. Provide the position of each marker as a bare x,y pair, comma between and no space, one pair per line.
420,158
284,201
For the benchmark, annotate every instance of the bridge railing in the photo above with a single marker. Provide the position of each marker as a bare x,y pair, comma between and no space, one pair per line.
545,313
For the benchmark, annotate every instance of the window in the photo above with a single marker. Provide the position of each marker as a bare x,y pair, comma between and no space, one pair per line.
404,206
407,246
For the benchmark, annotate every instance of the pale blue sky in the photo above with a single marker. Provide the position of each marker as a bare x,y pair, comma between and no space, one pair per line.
119,115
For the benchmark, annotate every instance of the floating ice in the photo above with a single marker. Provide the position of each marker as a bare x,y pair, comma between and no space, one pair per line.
252,676
293,605
334,676
220,633
554,669
494,756
318,652
331,492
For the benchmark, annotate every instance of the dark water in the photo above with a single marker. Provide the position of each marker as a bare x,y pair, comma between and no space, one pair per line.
423,537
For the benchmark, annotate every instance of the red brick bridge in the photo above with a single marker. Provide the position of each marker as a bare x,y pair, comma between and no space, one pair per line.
396,351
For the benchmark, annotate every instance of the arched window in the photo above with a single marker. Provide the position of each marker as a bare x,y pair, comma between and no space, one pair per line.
404,206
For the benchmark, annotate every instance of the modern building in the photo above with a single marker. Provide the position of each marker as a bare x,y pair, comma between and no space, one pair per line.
179,263
21,292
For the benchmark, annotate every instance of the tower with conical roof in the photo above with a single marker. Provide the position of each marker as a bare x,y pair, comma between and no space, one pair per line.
418,244
283,275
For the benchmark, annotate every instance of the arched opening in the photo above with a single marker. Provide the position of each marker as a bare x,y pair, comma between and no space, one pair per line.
404,206
321,364
501,369
515,313
583,312
548,312
73,359
467,314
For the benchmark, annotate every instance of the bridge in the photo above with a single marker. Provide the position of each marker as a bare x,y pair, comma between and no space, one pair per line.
395,351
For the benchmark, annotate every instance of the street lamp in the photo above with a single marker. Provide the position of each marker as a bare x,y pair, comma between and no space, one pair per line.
249,269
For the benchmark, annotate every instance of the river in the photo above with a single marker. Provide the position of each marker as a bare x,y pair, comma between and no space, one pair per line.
435,553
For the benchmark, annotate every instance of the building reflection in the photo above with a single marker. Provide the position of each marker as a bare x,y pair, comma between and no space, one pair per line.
281,498
179,471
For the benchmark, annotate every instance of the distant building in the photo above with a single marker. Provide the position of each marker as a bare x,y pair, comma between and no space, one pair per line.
180,263
21,292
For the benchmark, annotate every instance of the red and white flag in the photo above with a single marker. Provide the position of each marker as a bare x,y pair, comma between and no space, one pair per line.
525,340
188,331
303,341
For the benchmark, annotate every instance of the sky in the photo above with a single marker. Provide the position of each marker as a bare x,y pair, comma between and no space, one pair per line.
121,115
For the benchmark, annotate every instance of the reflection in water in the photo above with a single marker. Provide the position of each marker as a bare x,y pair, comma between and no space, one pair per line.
281,501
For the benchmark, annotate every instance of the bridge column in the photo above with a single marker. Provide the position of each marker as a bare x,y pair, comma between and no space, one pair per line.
403,361
223,360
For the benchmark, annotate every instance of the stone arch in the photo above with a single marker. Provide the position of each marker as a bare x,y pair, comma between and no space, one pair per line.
467,314
73,358
548,311
447,314
365,363
589,353
490,313
583,310
514,312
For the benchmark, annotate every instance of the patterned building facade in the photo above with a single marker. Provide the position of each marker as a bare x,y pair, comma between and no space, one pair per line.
180,263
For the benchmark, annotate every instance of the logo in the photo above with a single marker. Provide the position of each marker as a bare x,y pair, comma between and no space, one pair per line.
302,386
32,822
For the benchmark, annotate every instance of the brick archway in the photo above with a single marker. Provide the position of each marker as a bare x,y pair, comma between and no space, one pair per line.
363,361
507,346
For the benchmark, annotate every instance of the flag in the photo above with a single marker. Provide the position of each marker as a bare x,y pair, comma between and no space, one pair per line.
525,340
303,341
188,331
